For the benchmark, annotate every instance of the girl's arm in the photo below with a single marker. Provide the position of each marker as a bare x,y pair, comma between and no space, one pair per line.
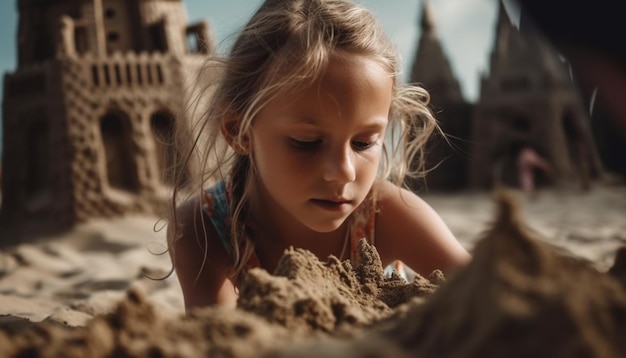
200,260
408,229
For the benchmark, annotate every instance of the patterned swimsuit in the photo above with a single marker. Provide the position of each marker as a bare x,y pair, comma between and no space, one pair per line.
216,203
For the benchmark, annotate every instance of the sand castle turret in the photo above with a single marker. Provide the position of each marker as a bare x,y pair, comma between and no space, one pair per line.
445,158
528,100
89,113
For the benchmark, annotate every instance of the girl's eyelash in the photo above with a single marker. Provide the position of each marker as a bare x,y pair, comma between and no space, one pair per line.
362,145
358,145
306,145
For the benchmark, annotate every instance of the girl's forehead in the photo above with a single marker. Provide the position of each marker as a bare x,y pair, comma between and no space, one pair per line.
354,86
338,67
311,66
351,64
342,75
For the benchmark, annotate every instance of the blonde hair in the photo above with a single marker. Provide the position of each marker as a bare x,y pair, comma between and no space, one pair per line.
287,45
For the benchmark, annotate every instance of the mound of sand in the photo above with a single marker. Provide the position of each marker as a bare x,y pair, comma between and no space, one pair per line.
518,297
304,300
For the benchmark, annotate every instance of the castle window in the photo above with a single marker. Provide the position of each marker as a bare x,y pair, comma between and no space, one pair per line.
129,74
80,39
574,142
515,84
41,51
149,73
192,43
159,72
109,13
118,74
158,37
113,36
139,74
107,75
74,13
162,124
119,156
95,75
521,124
197,41
37,154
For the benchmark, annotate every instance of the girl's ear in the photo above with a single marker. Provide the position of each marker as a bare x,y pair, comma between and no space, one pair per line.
230,129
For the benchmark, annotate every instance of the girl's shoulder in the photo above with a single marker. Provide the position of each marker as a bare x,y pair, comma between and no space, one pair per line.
409,229
388,193
194,225
200,260
399,208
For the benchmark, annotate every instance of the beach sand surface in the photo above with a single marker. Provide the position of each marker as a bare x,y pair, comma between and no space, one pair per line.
544,282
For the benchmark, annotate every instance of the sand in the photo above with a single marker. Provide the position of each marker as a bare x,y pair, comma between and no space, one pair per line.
544,282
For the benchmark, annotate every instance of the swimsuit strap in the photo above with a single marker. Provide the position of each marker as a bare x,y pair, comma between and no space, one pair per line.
215,205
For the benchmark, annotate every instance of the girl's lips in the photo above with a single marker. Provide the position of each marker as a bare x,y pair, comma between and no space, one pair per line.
332,205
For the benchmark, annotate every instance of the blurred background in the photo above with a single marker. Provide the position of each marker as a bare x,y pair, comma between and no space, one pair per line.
93,88
466,29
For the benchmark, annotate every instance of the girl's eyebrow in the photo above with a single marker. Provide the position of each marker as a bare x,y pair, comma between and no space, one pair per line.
377,123
306,120
373,123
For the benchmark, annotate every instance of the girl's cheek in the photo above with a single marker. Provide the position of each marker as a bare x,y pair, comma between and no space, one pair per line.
372,154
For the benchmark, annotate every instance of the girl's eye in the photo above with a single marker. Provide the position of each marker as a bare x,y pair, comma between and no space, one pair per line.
361,145
306,145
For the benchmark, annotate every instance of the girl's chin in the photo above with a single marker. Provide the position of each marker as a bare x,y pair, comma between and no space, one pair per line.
327,227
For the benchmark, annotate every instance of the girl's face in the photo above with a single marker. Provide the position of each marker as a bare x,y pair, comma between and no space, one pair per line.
317,151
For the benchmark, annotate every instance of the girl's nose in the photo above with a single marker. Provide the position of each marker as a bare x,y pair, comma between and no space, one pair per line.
340,167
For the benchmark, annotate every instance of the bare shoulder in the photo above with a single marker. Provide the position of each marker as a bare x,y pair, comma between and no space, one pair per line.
409,229
199,258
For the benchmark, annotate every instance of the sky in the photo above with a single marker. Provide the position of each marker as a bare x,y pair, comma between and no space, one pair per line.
465,29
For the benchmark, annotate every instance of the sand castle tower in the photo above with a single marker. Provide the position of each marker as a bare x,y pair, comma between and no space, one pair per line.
446,160
528,101
89,112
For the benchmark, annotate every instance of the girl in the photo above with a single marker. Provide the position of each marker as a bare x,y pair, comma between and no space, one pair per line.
303,103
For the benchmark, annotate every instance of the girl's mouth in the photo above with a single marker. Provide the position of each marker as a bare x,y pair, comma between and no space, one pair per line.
331,205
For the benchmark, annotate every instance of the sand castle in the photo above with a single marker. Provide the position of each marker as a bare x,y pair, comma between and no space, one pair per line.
89,113
527,100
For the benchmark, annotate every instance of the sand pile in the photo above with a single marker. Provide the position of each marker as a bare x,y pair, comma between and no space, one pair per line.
518,297
305,300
